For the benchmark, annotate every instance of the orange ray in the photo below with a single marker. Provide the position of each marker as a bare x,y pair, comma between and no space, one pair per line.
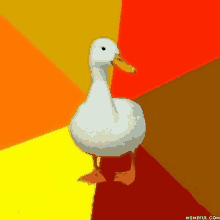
36,97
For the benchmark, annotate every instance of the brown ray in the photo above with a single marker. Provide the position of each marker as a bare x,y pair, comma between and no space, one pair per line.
183,121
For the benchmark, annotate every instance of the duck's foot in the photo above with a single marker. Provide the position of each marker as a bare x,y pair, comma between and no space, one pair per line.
94,177
126,177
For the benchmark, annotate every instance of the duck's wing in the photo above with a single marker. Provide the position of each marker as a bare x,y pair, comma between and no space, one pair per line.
128,107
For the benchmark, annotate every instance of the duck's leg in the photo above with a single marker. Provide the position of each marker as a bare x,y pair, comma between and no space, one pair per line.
127,177
96,176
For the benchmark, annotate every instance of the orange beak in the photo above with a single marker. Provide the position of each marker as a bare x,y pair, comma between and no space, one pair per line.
123,64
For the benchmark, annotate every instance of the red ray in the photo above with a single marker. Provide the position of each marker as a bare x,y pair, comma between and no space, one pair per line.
163,40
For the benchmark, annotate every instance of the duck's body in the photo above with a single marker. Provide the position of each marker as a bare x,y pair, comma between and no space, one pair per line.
106,126
103,126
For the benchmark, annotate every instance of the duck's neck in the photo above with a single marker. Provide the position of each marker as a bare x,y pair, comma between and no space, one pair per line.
99,88
100,94
99,73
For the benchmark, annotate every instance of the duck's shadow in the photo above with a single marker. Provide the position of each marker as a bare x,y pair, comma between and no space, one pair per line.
154,194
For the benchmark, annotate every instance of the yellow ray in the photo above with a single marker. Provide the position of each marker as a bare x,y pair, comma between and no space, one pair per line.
64,30
39,179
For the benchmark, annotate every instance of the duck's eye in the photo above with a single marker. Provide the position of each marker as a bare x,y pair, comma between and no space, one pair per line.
103,48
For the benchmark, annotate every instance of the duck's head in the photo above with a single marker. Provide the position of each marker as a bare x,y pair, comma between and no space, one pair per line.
105,52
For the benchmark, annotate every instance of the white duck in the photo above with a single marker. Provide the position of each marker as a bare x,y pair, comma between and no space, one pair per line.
104,126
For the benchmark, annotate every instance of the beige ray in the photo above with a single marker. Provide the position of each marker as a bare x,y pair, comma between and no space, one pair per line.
64,30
